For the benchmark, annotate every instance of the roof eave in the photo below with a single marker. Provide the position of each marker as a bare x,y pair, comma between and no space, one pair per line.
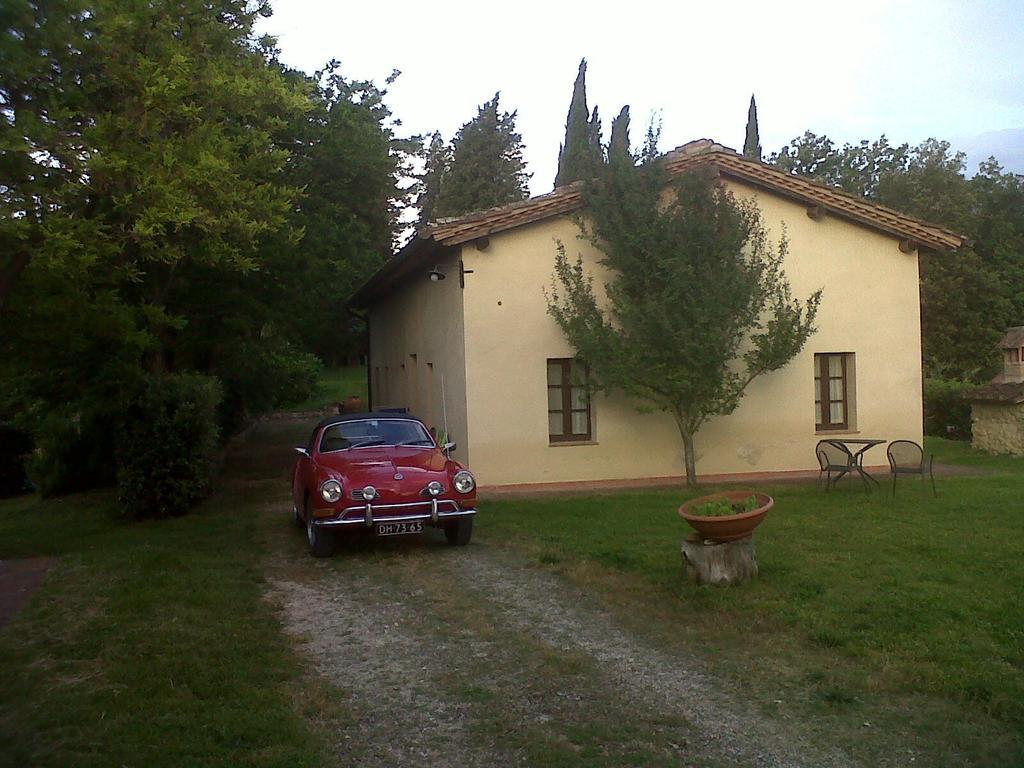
996,394
733,166
925,240
392,270
566,200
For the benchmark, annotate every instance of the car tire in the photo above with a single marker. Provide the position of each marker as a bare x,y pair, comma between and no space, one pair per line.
296,517
321,542
459,533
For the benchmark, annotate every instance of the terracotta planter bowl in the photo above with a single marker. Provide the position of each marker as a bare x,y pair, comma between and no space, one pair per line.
353,404
727,527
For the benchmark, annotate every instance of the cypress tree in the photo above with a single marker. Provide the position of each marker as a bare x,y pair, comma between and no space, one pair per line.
487,166
438,163
581,152
594,139
752,143
618,146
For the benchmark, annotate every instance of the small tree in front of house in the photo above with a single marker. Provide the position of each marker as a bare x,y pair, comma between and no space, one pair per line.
698,305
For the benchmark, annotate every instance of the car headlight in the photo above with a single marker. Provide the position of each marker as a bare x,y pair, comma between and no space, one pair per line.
434,488
463,481
369,493
331,491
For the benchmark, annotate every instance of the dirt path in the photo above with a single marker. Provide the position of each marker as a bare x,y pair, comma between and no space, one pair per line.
18,580
476,656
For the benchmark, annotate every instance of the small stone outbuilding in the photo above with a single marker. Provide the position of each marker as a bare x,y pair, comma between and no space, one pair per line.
997,409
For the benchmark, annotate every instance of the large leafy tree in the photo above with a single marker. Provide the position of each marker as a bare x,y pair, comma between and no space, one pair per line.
351,166
854,168
157,148
809,155
192,189
43,121
142,146
967,297
174,199
697,303
580,154
964,307
998,232
487,166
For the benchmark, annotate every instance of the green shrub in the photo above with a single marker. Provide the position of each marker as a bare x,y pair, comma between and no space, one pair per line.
15,447
74,450
166,441
262,374
946,413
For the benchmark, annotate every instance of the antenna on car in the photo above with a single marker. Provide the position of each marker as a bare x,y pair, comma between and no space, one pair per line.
444,415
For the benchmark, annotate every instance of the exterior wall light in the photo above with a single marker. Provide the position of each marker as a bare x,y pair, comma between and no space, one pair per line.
436,275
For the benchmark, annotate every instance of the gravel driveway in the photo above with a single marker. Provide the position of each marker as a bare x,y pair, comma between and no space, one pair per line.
477,657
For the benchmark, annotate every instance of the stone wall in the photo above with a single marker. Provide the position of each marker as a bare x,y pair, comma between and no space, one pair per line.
998,428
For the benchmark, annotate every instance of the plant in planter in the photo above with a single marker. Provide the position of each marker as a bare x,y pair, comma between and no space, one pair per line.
726,516
722,551
723,507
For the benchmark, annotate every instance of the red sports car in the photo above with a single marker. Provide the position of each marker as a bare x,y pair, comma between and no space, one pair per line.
383,473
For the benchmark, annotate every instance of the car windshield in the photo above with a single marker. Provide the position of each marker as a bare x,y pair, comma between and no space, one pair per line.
364,433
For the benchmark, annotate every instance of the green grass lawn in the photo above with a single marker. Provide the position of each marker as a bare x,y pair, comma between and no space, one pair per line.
152,644
334,386
149,644
859,595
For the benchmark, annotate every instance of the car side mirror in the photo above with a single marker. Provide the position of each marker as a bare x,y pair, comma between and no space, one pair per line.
450,446
302,451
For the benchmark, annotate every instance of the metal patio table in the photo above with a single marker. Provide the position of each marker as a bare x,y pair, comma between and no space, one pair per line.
857,456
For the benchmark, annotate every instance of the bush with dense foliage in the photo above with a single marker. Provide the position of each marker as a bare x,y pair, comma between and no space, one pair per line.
175,199
74,448
15,446
946,413
263,374
166,441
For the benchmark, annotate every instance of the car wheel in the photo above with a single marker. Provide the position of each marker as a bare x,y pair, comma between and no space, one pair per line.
321,542
459,533
296,517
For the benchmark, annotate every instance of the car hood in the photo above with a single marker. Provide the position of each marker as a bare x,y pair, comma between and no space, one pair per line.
378,467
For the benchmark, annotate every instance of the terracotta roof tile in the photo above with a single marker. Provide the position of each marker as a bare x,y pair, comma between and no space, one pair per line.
730,164
834,201
1014,338
480,224
483,223
1010,394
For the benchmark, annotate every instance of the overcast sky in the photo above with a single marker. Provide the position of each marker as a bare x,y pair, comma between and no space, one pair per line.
911,69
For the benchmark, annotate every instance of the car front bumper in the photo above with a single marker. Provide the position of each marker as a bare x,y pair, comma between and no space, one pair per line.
433,511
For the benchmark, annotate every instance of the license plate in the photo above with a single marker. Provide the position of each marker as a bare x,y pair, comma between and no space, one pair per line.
398,529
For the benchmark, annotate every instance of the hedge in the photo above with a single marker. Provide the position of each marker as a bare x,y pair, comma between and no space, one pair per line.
946,413
166,443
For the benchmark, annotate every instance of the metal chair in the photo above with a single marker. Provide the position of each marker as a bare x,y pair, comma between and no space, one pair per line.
832,457
907,458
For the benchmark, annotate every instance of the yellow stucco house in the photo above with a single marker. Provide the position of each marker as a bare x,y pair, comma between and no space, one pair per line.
480,347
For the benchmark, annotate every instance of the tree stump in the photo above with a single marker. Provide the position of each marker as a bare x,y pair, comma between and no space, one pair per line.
711,562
